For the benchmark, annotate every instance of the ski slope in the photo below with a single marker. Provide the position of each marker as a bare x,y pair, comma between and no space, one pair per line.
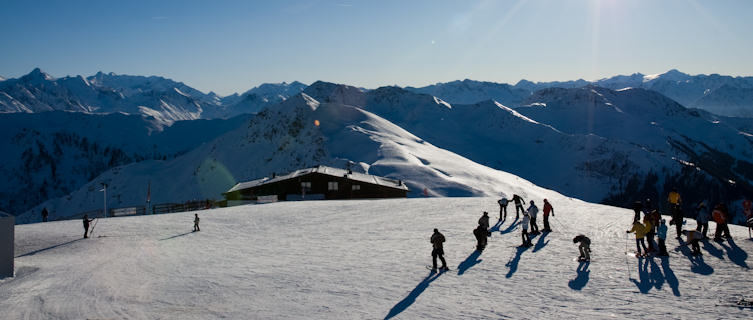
356,259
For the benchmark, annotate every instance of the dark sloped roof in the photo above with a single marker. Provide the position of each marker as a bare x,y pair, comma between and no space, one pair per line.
335,172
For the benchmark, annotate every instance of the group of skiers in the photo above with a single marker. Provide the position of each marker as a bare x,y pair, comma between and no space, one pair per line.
482,232
652,224
87,222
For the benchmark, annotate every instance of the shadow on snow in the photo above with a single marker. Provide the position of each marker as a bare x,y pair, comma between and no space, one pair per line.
48,248
654,277
177,235
469,262
581,279
411,298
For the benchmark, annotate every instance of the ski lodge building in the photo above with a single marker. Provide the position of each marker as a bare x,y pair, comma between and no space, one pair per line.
317,183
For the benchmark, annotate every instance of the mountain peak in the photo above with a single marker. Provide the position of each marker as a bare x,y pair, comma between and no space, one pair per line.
37,75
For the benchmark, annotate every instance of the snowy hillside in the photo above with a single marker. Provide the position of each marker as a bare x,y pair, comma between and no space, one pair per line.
51,154
365,259
256,99
469,92
283,139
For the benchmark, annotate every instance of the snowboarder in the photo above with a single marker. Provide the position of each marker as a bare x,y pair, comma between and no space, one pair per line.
662,235
693,238
437,251
637,208
702,218
720,217
86,222
524,234
533,210
674,204
44,214
484,220
748,211
503,208
584,247
640,231
547,209
518,205
480,234
196,222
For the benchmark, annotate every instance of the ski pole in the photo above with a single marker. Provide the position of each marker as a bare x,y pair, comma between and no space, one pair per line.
93,225
627,263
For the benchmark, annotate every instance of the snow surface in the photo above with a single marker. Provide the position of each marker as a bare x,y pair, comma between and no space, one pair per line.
364,259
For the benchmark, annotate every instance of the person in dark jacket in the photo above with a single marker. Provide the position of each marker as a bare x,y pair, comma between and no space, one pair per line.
86,222
584,247
524,233
702,218
503,208
437,250
480,234
484,220
44,214
196,222
637,208
675,205
518,205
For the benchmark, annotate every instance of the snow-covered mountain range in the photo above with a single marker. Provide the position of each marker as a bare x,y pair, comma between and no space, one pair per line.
590,142
163,99
719,94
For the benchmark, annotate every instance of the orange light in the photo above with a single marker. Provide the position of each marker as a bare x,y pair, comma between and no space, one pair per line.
316,123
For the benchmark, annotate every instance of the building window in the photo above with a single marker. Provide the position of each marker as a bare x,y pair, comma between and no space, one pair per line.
332,186
306,186
355,187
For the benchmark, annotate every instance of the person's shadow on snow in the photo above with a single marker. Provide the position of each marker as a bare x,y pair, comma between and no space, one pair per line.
697,264
511,227
495,228
540,242
669,275
581,279
469,262
513,263
711,249
411,298
735,254
643,283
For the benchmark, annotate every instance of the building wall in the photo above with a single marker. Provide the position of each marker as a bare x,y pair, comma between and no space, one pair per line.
7,228
320,185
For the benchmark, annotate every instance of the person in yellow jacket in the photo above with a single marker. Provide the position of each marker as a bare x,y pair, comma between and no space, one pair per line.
640,231
675,203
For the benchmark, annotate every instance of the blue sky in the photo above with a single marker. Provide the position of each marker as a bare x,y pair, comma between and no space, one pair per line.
231,46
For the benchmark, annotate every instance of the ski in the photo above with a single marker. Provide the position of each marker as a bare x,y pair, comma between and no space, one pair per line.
438,269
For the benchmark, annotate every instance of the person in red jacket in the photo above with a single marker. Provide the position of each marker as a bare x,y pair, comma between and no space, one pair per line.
720,217
547,209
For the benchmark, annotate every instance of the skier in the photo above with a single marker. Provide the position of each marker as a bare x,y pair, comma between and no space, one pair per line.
518,205
640,232
524,234
196,222
584,247
503,208
637,208
44,214
437,251
674,204
662,235
647,207
86,222
484,221
748,211
702,218
533,210
649,233
547,209
720,217
480,234
693,238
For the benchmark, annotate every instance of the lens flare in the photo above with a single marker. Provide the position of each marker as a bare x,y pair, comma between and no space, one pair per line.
316,123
